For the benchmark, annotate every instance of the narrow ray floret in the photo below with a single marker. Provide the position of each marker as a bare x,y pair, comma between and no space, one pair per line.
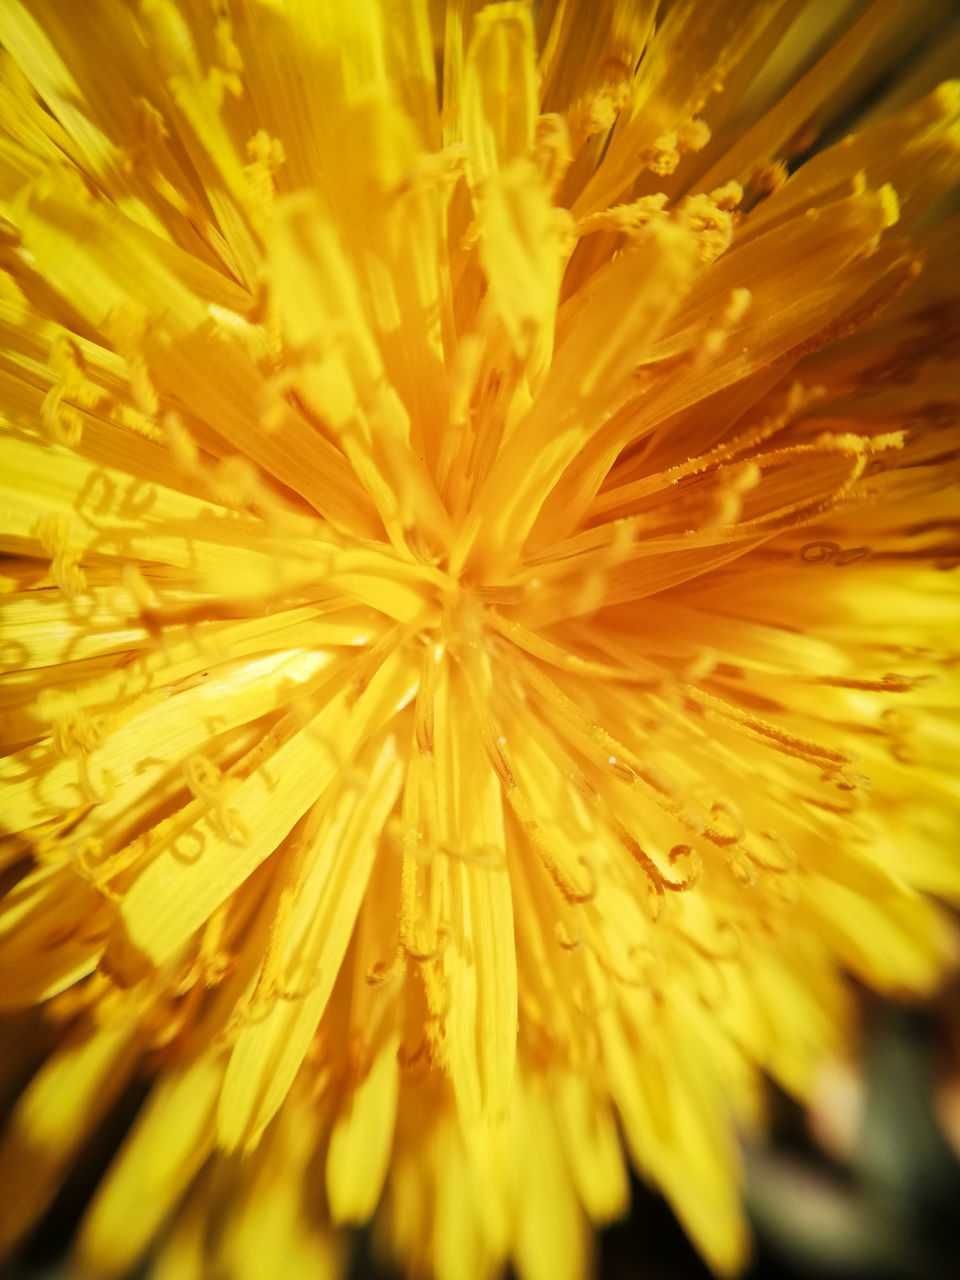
478,606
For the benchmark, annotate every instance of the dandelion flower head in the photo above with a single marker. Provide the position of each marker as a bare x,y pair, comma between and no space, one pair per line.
478,506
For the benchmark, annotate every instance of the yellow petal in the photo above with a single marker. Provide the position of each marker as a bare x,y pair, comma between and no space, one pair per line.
361,1140
592,1147
63,1103
174,895
551,1239
269,1052
500,105
479,961
169,1142
271,1226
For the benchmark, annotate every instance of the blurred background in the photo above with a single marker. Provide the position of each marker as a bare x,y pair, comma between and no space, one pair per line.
862,1185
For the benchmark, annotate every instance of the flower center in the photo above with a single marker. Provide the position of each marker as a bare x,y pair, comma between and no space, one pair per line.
462,619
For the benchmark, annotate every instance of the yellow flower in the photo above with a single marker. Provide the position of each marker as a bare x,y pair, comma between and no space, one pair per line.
478,632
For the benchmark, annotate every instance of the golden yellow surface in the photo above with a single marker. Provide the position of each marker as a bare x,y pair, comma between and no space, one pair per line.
478,605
